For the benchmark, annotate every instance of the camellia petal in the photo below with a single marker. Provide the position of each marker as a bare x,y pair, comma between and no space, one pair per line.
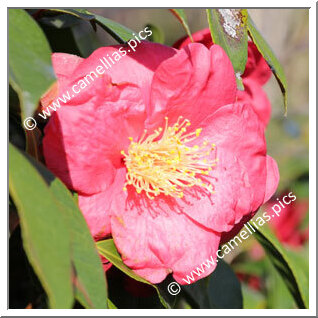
155,243
82,143
96,210
193,83
255,95
240,171
272,179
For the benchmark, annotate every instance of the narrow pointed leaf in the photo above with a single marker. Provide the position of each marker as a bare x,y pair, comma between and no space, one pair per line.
119,32
292,266
89,274
79,13
270,58
108,249
181,16
30,69
45,236
89,278
229,30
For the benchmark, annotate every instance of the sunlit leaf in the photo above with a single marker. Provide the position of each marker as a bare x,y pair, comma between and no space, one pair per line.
270,58
181,16
30,69
89,278
119,32
292,266
79,13
110,304
44,242
45,235
108,249
278,295
229,30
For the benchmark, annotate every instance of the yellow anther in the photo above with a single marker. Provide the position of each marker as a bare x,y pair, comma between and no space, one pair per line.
167,165
198,132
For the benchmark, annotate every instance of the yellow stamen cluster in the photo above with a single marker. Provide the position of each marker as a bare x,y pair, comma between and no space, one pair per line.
164,163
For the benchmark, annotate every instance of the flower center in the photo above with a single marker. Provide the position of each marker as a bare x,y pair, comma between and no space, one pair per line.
163,163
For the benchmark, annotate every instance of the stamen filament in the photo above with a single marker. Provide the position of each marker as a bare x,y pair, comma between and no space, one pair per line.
163,163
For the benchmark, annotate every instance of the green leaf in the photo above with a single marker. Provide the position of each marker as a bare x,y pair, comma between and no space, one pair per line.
220,290
119,32
278,295
110,304
30,69
88,275
229,30
157,34
270,58
45,236
181,16
79,13
252,299
292,266
89,278
108,249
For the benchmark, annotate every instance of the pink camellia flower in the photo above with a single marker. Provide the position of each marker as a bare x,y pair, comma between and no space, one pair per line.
162,155
256,74
287,226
